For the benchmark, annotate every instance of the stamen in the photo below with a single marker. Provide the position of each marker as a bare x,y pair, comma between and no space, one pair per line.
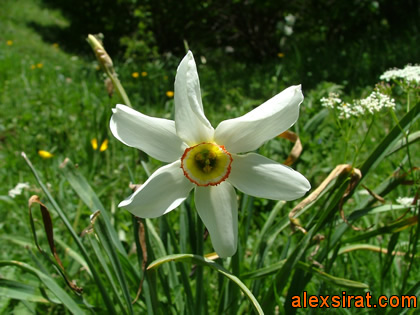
207,169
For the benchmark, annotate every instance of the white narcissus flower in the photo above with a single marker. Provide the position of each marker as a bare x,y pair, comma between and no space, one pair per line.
206,159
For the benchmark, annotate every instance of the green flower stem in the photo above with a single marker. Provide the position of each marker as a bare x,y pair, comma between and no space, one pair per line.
405,135
119,88
199,289
107,65
408,101
213,265
233,289
364,140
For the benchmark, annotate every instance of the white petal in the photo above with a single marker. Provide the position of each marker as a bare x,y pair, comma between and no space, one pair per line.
218,209
259,176
155,136
165,190
191,123
249,132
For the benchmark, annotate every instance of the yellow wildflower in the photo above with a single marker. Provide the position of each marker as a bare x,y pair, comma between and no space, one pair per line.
39,65
102,148
45,154
170,94
104,145
33,67
280,55
144,74
9,43
135,75
94,143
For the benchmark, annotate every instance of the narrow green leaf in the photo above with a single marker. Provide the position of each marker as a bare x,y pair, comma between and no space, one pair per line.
404,142
107,243
16,290
183,273
341,282
149,292
48,228
89,197
327,215
105,230
209,263
105,270
385,187
69,251
286,269
389,141
156,246
49,283
75,255
384,208
266,271
315,121
386,265
271,218
199,288
104,292
411,299
391,228
353,247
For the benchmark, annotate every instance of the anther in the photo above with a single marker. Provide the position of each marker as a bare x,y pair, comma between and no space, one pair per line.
207,168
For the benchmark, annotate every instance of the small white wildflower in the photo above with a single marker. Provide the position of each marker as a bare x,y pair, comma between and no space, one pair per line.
345,111
363,192
229,49
288,30
358,110
333,98
290,19
18,189
372,104
376,101
405,201
409,73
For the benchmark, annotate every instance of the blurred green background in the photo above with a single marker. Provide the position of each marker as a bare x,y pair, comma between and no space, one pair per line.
340,41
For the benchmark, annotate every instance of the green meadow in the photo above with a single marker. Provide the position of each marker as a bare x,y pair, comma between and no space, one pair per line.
73,250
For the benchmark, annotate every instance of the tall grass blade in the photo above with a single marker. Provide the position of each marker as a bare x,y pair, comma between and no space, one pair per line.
208,263
104,228
89,197
389,141
104,292
20,291
49,283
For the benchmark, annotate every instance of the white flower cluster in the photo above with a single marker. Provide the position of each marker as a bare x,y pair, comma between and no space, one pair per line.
331,100
405,201
371,104
376,101
409,74
18,189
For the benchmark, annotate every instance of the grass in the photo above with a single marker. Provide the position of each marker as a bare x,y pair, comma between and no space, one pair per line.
58,102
